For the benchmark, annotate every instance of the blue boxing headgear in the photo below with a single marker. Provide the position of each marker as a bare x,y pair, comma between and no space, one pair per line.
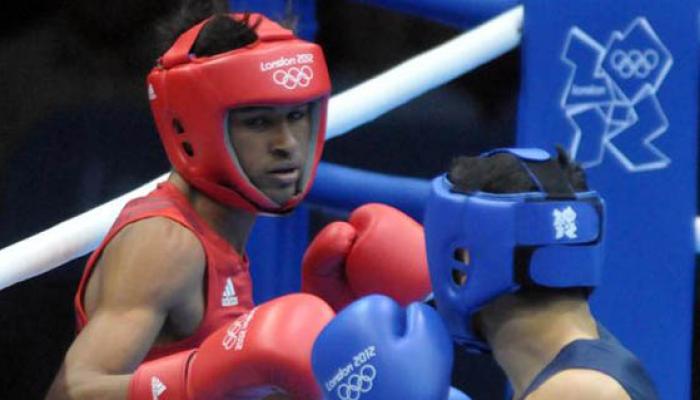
559,237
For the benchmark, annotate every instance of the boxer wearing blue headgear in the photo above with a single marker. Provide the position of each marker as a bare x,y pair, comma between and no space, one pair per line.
515,245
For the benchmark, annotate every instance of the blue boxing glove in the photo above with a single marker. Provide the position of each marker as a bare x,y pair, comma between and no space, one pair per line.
375,349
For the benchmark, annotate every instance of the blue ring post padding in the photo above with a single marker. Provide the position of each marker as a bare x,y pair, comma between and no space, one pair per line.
616,84
275,250
458,13
345,189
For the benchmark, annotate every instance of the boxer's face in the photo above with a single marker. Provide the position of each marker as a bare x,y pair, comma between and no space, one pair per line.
272,145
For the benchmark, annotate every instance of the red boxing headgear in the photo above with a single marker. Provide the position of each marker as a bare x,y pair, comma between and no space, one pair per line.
191,97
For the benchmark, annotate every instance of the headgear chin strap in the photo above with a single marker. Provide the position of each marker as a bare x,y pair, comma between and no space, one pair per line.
560,239
191,97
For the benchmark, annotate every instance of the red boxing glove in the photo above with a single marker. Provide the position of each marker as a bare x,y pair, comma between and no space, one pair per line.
381,250
264,351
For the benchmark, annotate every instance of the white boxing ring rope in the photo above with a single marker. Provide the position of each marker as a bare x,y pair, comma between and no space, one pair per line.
377,96
80,235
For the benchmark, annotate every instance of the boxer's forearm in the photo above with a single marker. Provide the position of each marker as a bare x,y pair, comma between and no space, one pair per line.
72,384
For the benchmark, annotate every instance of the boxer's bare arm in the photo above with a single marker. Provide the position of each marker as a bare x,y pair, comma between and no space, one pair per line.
147,270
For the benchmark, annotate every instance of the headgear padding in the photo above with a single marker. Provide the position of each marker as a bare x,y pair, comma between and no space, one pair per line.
561,240
192,96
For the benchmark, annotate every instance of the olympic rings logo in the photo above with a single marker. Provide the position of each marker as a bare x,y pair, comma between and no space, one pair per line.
359,383
293,77
634,63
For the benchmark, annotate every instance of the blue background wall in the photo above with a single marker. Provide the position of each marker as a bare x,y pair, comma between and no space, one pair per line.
633,122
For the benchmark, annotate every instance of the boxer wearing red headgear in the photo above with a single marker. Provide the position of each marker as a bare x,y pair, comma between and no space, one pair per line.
191,98
240,106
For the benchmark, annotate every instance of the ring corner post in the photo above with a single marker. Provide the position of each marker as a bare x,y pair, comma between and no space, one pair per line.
617,86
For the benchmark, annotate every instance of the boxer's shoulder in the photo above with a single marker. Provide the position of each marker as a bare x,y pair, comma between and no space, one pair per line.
156,258
581,384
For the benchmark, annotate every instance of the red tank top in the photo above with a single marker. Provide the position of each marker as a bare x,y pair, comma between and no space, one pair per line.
228,285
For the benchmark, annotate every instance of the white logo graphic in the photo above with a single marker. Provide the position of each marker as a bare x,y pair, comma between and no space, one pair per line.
294,77
350,386
151,93
361,382
236,332
299,59
157,387
610,97
634,63
229,298
565,223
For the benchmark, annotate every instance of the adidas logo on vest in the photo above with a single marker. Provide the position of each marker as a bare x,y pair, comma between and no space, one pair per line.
229,298
157,387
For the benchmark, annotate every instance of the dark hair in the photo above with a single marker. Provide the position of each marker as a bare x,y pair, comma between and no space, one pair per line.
223,33
220,34
504,173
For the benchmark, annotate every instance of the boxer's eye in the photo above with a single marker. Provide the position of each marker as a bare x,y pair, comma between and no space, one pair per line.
257,123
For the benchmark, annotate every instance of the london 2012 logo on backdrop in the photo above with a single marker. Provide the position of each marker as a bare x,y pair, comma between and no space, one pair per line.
610,98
